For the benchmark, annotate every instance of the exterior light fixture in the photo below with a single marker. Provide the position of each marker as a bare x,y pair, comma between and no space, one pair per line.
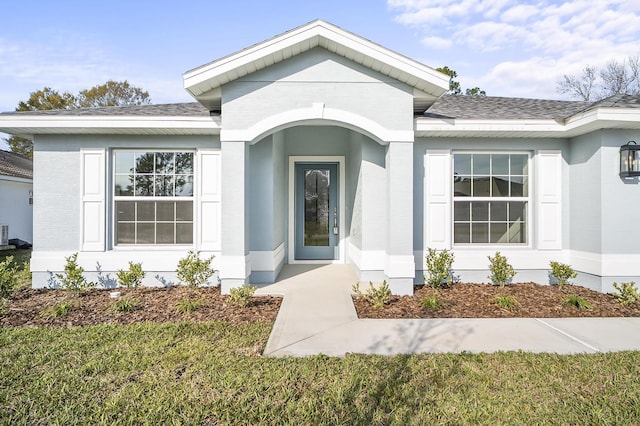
630,160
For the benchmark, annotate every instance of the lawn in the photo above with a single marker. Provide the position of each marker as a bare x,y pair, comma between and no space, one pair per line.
212,373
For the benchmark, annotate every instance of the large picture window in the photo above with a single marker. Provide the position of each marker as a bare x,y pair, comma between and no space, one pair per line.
153,197
490,198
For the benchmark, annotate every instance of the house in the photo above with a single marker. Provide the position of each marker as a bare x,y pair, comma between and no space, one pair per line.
16,196
319,146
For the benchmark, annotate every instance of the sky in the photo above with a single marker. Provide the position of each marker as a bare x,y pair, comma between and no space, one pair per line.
513,48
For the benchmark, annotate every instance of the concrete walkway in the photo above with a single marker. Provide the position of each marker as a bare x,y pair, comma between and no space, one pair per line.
317,317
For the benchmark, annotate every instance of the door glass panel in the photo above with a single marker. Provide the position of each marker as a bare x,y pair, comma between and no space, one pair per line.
316,207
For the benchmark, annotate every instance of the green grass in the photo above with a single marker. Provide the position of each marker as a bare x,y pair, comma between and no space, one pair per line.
211,373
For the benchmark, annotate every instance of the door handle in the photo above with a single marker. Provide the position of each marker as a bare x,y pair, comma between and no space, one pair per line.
335,221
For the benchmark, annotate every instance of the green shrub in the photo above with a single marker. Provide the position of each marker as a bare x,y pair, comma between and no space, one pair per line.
577,301
8,276
124,304
431,302
501,271
188,305
510,303
439,267
562,272
378,297
627,293
73,277
131,278
194,271
62,309
241,296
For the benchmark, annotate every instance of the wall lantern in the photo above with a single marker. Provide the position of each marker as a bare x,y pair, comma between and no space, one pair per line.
630,160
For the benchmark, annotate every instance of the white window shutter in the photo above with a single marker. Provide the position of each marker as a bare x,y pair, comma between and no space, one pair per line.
437,190
209,219
93,226
549,199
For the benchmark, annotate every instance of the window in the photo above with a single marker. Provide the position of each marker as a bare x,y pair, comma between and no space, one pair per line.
153,197
490,198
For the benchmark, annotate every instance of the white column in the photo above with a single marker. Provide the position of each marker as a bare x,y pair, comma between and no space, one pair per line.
235,264
400,268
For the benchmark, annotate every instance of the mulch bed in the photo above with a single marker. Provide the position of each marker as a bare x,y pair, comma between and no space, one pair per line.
25,307
478,301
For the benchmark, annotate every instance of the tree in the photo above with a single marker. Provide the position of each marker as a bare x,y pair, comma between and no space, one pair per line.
112,93
616,78
454,86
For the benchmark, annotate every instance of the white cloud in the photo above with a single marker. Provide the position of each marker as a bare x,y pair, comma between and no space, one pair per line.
437,42
511,47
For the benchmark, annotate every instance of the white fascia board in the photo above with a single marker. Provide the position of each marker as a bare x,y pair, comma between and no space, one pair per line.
208,76
109,124
425,126
16,179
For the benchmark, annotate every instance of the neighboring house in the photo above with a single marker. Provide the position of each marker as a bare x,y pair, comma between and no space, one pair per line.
320,146
16,195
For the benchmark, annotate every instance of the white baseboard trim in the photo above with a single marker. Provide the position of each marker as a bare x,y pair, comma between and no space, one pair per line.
267,260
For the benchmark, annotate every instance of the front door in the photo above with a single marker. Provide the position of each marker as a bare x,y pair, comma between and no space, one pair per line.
316,211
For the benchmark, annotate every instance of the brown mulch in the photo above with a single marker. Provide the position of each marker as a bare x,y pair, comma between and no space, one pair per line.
25,307
478,301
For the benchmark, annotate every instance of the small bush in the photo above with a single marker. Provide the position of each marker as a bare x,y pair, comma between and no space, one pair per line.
131,278
562,272
510,303
431,302
627,293
188,305
124,304
577,301
241,296
378,297
8,276
194,271
73,277
62,309
439,267
501,271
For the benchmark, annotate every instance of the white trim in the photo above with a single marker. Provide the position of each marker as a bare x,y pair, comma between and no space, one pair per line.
38,124
16,179
437,201
341,195
208,230
267,260
613,265
317,114
400,266
367,260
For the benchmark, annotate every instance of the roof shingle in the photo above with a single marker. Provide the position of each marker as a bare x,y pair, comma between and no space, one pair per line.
14,165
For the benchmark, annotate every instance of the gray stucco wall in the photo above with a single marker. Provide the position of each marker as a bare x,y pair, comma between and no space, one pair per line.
261,195
312,77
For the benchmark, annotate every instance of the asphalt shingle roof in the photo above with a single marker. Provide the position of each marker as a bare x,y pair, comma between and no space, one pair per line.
497,108
14,165
191,109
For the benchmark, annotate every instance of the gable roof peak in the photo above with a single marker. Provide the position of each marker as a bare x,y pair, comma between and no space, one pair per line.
204,82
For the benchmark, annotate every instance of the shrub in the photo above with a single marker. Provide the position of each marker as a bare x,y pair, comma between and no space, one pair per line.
8,276
131,278
439,267
124,304
431,302
62,309
577,301
627,293
510,303
73,277
241,296
378,297
501,271
188,305
562,273
194,271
